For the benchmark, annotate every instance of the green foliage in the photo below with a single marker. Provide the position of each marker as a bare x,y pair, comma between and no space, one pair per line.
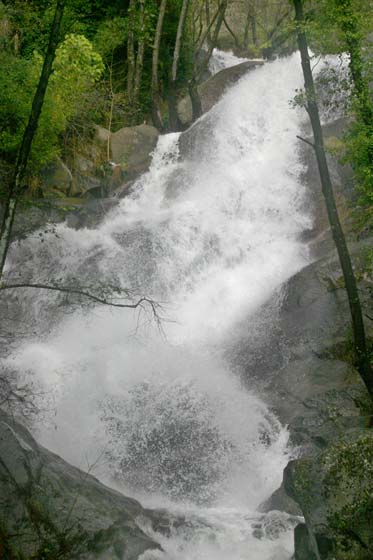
359,150
350,474
337,27
111,34
76,69
77,66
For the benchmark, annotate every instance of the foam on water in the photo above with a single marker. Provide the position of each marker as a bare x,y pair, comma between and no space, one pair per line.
213,233
223,59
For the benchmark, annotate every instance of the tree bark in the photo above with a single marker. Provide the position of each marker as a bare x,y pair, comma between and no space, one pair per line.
360,347
156,111
199,69
139,58
174,121
28,136
195,99
130,52
179,36
219,22
208,20
230,30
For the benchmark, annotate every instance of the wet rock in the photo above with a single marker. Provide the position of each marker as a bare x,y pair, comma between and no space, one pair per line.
58,176
102,135
304,549
318,400
132,148
320,396
212,89
315,314
321,241
335,492
48,506
280,501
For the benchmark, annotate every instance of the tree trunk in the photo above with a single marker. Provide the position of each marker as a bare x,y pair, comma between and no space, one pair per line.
130,52
361,355
174,121
179,36
195,99
199,69
254,32
208,20
219,22
28,136
156,111
139,58
230,30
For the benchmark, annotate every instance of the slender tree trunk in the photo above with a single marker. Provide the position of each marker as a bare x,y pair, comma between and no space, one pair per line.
199,69
130,52
139,58
156,111
250,24
230,30
208,20
361,355
179,36
112,98
254,30
174,121
195,99
219,22
28,136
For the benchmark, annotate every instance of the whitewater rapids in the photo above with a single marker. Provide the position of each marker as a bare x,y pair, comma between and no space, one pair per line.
213,232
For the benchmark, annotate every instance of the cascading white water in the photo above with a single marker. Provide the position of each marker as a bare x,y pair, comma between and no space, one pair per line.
223,59
212,234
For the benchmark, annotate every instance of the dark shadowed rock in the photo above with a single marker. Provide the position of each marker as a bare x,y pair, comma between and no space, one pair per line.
46,505
212,89
335,493
132,147
57,176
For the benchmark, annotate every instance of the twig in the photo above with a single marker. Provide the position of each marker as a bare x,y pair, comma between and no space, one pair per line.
307,142
75,291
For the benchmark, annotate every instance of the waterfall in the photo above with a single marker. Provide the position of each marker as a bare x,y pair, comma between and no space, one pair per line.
212,231
223,59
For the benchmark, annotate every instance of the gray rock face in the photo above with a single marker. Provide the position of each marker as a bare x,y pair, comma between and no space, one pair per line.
132,147
342,179
212,89
49,509
335,493
58,176
315,390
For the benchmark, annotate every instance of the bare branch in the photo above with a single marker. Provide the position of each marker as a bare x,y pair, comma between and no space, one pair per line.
307,142
80,292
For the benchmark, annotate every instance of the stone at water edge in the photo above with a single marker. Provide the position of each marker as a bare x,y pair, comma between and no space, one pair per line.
335,492
213,89
46,501
132,147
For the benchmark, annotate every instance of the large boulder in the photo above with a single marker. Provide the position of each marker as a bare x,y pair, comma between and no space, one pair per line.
132,147
343,186
318,399
49,509
212,89
57,177
335,493
315,317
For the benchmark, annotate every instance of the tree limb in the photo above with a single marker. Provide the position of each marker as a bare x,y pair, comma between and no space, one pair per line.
84,293
307,142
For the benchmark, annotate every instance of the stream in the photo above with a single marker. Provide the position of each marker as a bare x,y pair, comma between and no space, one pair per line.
211,232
